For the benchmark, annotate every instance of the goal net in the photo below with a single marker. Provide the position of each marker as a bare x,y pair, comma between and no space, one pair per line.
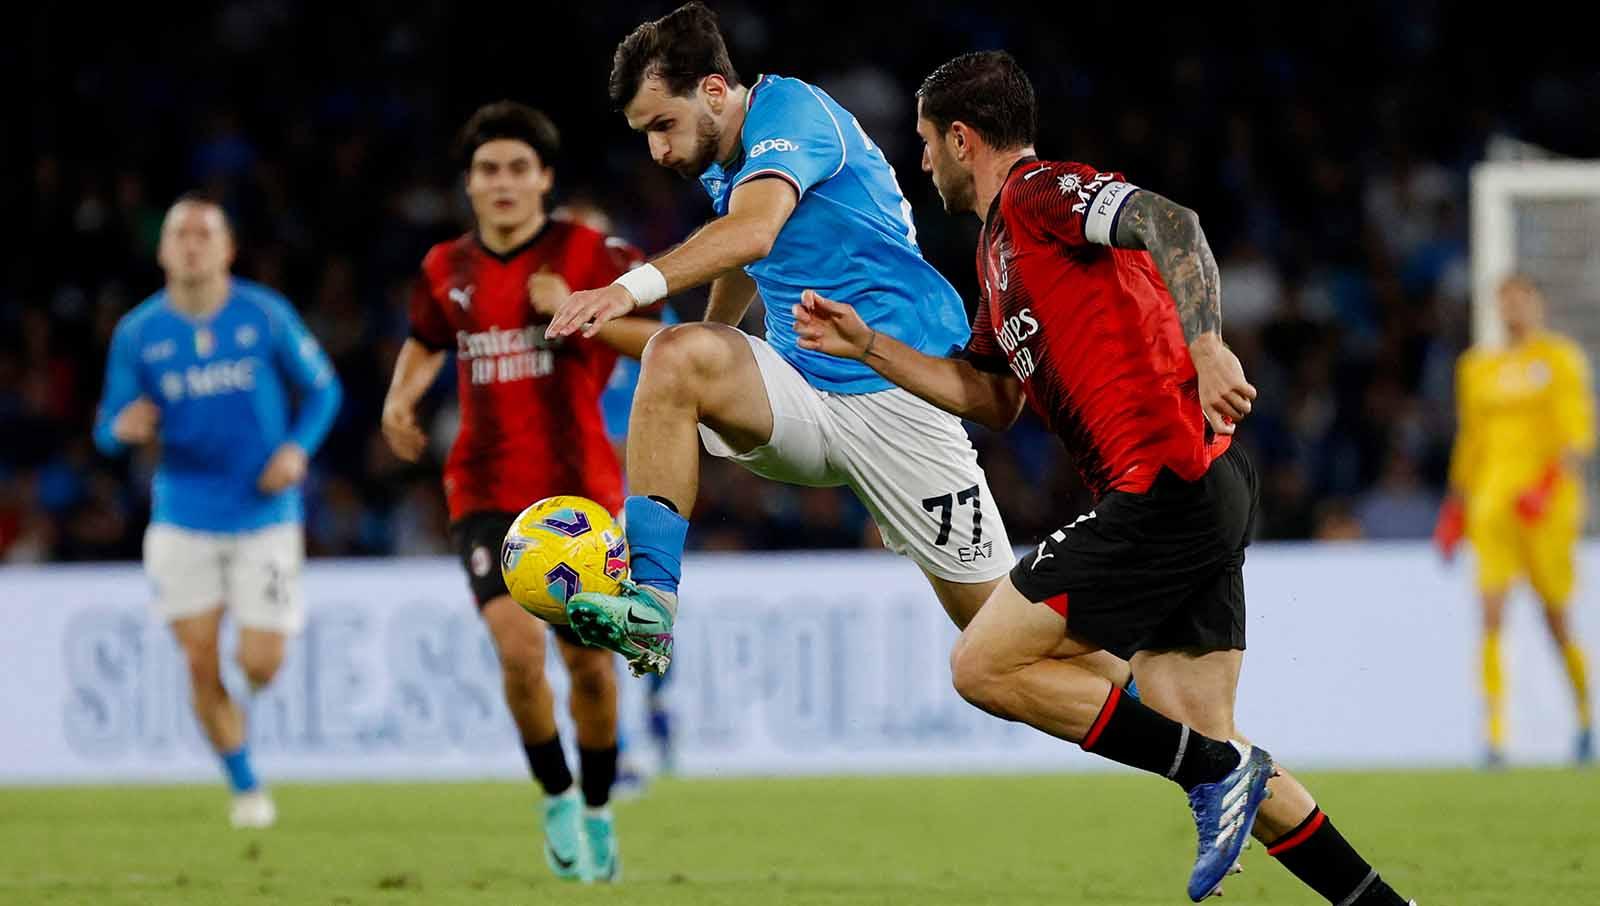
1540,218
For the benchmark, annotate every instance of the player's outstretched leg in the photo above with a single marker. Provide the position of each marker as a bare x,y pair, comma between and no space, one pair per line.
594,712
222,719
1199,690
260,655
1010,662
690,374
1554,594
1492,676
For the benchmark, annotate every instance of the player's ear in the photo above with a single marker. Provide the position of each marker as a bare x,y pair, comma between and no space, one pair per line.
715,88
961,140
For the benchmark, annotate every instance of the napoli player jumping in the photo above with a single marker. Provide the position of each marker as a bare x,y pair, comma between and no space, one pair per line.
204,368
1101,307
805,198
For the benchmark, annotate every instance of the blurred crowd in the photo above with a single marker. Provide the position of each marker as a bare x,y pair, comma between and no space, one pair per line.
1328,159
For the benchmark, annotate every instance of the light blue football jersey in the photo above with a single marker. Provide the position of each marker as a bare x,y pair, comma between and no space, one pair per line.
850,238
223,384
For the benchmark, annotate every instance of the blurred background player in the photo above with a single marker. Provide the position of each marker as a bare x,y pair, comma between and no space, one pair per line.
203,371
1525,427
531,427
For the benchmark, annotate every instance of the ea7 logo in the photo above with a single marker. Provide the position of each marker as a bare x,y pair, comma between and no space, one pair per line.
773,144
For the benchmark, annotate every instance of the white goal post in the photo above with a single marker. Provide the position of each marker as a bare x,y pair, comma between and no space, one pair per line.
1540,218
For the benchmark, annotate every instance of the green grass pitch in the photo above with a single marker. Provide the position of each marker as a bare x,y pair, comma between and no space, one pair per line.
1519,837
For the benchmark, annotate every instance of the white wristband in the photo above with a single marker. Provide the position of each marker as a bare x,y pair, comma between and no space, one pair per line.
645,283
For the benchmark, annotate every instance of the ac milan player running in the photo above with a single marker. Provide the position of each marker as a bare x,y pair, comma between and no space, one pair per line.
1101,306
531,427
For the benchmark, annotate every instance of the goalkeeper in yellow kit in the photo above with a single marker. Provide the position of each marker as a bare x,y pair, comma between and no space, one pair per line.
1526,423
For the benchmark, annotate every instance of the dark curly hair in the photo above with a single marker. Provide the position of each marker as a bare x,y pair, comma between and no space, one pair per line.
986,90
508,119
680,48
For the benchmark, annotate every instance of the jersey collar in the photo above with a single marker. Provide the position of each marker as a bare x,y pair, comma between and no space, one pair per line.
512,253
750,96
207,319
994,206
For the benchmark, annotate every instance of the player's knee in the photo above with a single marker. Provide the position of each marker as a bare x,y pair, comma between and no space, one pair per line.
522,658
260,665
593,678
975,676
202,659
677,355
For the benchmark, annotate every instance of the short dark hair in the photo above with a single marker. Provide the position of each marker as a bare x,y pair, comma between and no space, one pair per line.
508,120
988,91
205,200
680,48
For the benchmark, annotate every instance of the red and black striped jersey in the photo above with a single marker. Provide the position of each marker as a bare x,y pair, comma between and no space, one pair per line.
531,423
1090,330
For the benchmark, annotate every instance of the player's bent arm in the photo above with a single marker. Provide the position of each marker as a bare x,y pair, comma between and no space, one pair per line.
121,388
1171,234
1173,237
954,385
732,294
756,214
321,396
414,372
1575,405
757,211
628,335
1464,454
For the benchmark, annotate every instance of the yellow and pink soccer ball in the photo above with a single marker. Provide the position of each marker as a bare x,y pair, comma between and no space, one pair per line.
558,547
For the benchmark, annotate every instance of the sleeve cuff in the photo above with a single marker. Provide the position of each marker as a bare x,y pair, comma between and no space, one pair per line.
427,341
779,172
988,364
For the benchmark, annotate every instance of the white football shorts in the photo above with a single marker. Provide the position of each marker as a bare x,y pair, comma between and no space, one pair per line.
254,574
909,462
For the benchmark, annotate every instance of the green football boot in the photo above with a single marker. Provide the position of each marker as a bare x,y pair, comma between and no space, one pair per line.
605,861
635,623
563,835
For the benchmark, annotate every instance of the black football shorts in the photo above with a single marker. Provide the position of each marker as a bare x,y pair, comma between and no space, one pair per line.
1158,571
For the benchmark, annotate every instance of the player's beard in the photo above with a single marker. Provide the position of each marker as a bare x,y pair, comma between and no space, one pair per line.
957,189
706,139
959,195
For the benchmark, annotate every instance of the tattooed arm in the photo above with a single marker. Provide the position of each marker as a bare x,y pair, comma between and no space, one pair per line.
1171,234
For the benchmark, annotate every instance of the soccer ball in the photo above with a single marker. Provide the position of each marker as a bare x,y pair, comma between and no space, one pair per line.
558,547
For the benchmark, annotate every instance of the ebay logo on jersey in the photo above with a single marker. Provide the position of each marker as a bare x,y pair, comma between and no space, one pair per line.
772,144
